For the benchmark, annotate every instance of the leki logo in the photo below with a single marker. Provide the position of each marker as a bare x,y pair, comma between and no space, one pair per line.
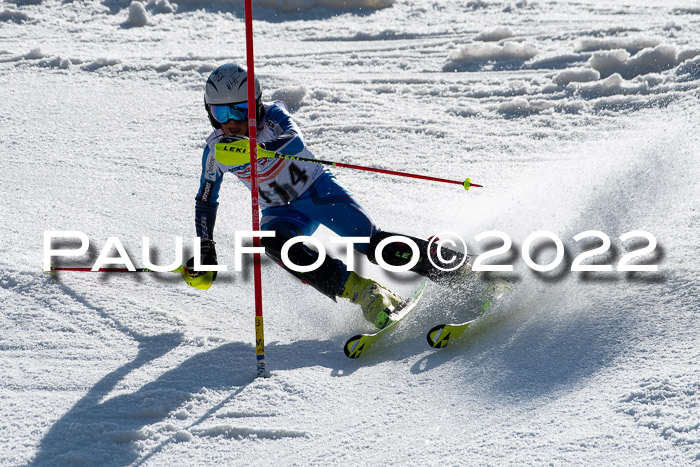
227,148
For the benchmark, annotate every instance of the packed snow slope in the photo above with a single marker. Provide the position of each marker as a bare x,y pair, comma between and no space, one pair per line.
574,115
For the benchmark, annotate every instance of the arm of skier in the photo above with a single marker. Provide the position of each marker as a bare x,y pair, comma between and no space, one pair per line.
206,205
207,199
288,140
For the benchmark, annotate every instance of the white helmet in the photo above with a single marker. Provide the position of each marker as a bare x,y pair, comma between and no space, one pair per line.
228,84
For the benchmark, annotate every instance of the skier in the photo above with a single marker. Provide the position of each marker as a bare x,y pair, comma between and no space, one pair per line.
295,198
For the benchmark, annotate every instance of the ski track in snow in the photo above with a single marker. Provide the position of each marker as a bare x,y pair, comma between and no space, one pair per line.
573,115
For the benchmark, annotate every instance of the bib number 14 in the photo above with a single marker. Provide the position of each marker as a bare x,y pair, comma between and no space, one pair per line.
285,191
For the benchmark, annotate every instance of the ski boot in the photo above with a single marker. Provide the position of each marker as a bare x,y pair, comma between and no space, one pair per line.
378,303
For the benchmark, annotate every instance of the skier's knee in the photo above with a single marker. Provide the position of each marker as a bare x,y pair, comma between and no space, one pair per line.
326,278
401,253
395,253
298,253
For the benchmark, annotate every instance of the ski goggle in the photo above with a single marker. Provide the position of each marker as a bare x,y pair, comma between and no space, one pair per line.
235,112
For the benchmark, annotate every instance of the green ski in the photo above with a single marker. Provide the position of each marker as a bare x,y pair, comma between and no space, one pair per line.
440,335
443,334
357,345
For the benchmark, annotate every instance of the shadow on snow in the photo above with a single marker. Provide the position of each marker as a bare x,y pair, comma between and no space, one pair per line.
100,429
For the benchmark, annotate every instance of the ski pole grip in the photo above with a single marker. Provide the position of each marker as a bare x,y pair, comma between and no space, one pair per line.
238,152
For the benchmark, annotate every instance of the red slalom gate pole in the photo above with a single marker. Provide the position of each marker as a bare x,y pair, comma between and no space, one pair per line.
253,137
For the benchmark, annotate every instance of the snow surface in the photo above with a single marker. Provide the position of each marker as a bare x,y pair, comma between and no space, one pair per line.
574,115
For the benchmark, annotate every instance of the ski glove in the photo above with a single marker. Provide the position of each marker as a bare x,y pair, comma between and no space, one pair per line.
208,258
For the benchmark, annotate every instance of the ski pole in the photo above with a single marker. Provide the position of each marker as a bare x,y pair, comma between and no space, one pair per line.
179,269
237,153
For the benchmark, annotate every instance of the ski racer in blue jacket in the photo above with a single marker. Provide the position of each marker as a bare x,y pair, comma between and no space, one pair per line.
295,198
